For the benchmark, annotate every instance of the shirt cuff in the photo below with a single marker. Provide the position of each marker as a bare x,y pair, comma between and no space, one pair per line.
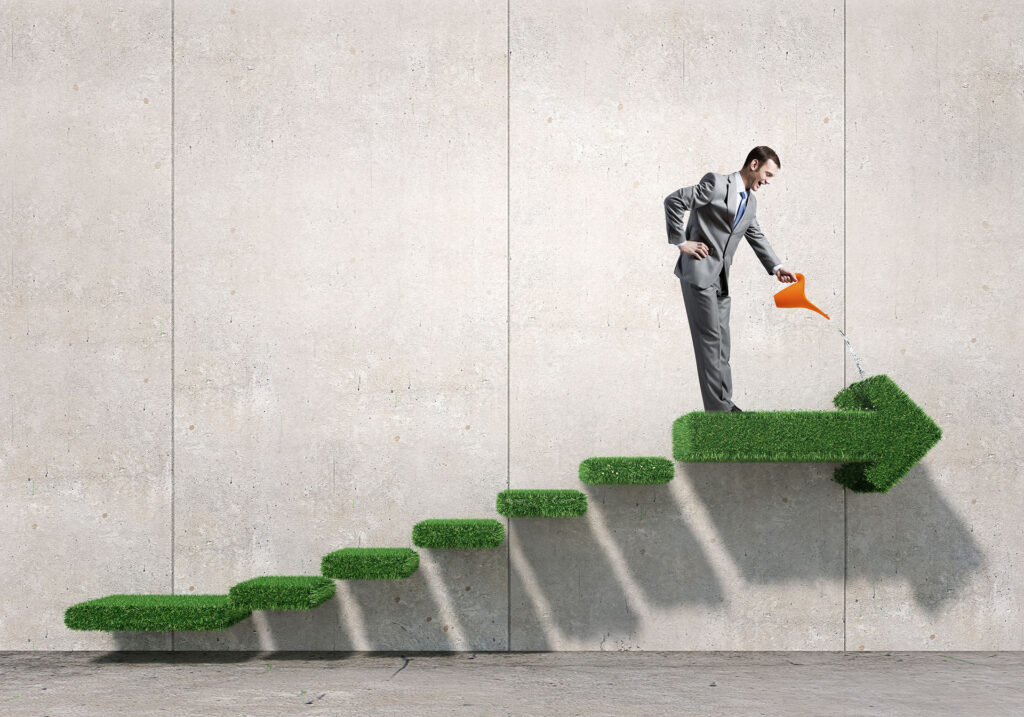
776,268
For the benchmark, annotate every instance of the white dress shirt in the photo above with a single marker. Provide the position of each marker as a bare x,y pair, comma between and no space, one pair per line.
739,178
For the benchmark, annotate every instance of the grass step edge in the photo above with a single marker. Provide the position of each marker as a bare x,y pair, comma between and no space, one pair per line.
541,503
151,612
458,533
370,563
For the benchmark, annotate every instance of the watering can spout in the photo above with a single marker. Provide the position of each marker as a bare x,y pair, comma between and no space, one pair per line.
792,297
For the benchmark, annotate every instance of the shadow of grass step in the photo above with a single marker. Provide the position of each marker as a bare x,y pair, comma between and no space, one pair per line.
541,503
458,534
282,592
155,613
370,563
626,471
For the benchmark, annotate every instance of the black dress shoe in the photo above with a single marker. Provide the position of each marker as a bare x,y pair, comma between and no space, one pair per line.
736,409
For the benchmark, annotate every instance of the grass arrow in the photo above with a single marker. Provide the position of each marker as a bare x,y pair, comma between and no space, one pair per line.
878,434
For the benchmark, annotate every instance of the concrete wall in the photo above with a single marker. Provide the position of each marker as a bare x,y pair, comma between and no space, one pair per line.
287,277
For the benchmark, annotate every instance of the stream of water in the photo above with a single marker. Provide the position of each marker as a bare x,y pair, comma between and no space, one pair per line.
856,358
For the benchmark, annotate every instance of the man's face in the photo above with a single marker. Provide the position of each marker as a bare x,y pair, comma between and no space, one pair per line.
762,172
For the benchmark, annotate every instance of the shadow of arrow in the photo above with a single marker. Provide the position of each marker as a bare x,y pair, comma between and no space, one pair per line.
783,523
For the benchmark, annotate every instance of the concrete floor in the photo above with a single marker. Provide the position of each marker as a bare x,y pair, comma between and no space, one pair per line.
565,683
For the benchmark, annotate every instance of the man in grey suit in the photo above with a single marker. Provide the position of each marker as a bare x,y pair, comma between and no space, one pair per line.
723,210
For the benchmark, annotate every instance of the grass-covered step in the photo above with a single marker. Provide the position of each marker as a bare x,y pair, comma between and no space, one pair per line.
282,592
626,471
370,563
541,503
878,433
448,533
155,613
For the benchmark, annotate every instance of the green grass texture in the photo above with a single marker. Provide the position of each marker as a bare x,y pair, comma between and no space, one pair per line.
541,503
626,471
155,613
905,432
282,592
458,534
370,563
878,433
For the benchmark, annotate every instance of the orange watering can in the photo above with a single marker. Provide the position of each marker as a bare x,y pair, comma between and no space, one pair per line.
792,297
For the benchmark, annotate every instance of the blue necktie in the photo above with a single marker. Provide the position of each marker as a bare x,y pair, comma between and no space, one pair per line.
743,205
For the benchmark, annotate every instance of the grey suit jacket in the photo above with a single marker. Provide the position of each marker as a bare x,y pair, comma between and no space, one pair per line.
713,204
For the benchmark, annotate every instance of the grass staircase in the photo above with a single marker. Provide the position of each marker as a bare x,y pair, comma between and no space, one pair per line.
148,612
757,437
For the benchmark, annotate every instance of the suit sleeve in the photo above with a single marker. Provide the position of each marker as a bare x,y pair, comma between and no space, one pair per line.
683,200
761,246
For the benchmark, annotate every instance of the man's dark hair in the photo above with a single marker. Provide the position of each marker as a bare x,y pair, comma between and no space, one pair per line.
762,154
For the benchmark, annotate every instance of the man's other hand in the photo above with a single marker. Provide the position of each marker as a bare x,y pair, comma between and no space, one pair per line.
698,250
785,275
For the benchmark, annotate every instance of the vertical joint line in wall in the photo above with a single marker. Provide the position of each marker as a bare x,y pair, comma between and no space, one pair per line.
172,308
846,121
508,319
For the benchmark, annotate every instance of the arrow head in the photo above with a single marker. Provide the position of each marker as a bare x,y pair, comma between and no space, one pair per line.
903,432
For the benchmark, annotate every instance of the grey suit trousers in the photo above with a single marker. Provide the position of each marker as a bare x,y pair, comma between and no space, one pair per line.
707,311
